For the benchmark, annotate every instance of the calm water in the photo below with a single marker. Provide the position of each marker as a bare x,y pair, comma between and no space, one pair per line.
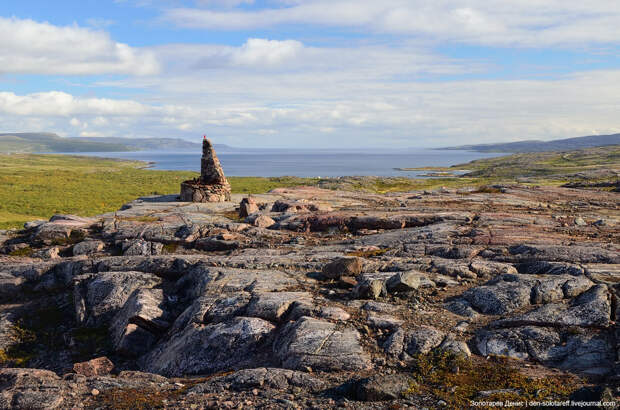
305,163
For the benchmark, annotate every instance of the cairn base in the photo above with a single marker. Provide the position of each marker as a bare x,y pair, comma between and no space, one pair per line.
194,191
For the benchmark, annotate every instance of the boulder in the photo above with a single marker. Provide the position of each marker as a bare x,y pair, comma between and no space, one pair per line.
422,339
500,296
137,325
320,345
382,387
273,305
24,389
263,221
593,352
404,281
98,298
140,247
87,247
206,349
346,266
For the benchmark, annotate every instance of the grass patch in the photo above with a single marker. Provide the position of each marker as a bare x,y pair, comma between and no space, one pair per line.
486,189
457,380
133,399
170,248
39,186
21,351
37,334
22,252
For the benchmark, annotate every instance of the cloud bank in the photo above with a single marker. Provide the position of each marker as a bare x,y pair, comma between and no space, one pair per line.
30,47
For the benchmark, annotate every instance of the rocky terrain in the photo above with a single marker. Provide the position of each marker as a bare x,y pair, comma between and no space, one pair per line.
314,298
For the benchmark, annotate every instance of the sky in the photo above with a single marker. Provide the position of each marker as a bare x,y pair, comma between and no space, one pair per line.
312,73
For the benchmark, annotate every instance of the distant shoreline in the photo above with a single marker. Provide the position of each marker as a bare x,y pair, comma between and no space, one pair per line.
306,163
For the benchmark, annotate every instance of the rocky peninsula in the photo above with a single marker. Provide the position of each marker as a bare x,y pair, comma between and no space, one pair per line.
307,297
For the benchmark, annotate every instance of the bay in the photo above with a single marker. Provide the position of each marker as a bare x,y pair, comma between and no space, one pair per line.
305,163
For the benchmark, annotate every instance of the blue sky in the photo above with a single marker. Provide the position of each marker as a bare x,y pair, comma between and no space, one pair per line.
312,73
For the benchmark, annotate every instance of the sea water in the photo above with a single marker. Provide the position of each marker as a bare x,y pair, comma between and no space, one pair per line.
305,163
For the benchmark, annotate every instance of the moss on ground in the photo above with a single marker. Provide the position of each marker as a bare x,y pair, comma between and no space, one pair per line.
22,252
458,380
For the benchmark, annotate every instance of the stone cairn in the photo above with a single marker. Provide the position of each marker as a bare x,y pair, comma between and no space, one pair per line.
212,185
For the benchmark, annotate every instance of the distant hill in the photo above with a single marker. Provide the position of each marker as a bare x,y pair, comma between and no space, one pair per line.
51,143
567,144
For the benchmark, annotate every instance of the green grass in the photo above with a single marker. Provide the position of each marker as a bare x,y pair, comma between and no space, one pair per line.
39,186
545,164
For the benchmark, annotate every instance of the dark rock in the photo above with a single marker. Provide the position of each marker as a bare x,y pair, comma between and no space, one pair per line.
87,247
383,387
213,244
141,247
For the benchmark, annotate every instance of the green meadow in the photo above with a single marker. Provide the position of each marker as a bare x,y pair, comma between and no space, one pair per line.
38,186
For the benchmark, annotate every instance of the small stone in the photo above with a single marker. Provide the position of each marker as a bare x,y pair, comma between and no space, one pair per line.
263,221
87,247
346,266
381,388
579,221
403,282
334,313
348,282
94,392
370,289
100,366
248,206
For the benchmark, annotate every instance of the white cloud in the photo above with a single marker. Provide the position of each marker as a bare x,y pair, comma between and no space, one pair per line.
56,103
257,51
30,47
337,111
489,22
